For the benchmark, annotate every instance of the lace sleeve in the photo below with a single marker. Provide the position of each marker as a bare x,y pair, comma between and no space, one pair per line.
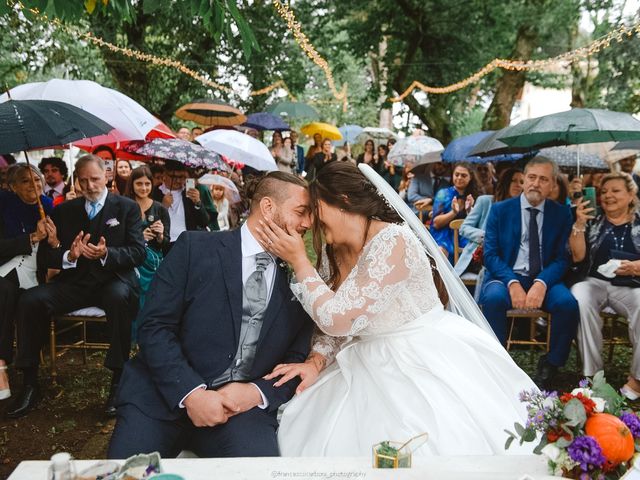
326,345
376,278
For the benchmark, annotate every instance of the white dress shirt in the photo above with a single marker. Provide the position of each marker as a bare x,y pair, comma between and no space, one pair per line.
250,248
521,265
66,263
58,190
176,213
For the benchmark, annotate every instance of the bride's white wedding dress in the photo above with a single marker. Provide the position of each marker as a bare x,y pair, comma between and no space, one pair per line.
400,364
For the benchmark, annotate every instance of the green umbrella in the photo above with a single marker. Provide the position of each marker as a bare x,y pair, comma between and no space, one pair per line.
580,125
294,111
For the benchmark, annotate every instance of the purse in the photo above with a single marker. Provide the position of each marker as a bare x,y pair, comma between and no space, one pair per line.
625,281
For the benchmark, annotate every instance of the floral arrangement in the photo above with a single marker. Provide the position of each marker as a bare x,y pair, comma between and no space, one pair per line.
589,433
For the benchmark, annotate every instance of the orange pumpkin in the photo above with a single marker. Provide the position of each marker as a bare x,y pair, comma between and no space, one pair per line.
613,436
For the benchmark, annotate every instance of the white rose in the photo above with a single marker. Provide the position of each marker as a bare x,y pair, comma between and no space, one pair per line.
584,391
548,403
551,451
600,404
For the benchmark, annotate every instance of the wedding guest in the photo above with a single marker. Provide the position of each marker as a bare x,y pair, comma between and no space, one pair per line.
322,158
100,245
299,152
123,171
286,159
184,133
473,228
486,176
222,206
450,204
560,192
156,226
628,165
184,205
424,185
195,132
22,264
55,173
157,171
525,256
594,241
369,156
107,154
276,144
312,151
392,172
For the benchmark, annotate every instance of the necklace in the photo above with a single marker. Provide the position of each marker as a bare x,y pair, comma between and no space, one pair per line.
619,241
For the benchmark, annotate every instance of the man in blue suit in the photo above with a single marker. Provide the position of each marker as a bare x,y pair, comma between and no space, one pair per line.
525,256
299,151
218,317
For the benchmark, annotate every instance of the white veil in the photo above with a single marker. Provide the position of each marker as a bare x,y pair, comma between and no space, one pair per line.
460,300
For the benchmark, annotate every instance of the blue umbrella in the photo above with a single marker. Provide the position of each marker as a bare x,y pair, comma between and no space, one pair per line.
459,150
349,133
265,121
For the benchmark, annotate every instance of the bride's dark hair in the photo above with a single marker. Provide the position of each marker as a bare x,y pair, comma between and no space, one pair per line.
343,185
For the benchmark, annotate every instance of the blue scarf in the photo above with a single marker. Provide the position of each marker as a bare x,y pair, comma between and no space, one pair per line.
18,217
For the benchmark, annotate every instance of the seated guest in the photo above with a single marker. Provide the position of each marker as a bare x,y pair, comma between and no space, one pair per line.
22,233
100,245
615,234
525,257
486,177
155,227
186,211
369,156
55,173
472,229
424,185
450,204
560,192
627,165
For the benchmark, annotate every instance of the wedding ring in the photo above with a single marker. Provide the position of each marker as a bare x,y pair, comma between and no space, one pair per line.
270,243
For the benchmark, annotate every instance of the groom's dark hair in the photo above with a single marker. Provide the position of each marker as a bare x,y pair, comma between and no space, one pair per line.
270,185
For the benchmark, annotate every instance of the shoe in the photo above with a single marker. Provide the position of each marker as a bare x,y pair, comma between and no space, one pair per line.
110,406
26,400
544,373
5,392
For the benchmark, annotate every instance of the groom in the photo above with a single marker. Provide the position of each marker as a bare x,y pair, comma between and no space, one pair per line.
218,317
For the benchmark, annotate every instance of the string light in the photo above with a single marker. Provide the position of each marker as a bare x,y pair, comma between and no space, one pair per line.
620,34
303,42
158,61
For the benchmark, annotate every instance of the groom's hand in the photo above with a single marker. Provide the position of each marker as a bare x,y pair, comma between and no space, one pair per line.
244,395
208,408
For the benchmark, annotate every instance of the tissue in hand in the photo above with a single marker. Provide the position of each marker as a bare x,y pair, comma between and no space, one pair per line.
608,269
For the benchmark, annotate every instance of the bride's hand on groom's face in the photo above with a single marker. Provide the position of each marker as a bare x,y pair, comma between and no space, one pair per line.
307,371
287,245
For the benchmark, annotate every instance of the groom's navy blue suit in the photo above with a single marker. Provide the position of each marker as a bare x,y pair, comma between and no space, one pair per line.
188,336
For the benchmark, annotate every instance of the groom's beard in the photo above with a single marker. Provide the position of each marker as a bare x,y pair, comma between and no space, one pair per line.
280,222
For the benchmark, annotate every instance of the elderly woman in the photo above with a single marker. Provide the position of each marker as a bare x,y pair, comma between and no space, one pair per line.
594,241
22,263
472,229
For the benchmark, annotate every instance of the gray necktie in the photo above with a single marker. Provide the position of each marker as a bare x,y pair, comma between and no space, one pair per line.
255,290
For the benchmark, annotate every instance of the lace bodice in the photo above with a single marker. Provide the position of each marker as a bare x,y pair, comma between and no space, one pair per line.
390,285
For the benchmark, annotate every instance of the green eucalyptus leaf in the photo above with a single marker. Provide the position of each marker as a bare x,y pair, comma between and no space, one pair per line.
574,412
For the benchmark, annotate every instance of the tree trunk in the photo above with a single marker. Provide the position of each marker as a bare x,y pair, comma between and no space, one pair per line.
511,82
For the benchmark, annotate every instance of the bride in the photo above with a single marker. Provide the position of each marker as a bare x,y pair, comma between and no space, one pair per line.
388,361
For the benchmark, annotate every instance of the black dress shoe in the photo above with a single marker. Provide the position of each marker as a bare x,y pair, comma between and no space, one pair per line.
25,401
545,373
110,406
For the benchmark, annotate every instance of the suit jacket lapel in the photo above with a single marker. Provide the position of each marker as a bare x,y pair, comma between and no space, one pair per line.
516,229
108,212
231,261
278,295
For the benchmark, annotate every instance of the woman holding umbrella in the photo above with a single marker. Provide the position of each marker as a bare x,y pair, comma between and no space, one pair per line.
22,264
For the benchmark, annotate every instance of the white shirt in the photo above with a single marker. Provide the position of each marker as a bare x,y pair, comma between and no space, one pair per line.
521,265
250,248
58,190
66,263
176,213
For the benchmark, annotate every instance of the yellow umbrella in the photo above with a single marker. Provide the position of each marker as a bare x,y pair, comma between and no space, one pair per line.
326,130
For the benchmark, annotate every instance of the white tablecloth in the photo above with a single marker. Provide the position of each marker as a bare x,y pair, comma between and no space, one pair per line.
507,467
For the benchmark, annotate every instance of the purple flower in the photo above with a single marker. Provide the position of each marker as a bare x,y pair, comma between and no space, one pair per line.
632,421
586,451
584,383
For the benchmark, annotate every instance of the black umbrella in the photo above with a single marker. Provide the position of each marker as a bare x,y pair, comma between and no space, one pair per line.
30,124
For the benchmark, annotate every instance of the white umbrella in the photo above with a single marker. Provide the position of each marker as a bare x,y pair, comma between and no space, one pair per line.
240,147
375,134
130,120
415,150
230,189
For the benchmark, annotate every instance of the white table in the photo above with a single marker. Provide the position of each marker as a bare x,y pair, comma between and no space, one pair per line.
507,467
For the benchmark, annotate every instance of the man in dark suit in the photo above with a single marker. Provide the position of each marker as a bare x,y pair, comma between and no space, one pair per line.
186,211
525,256
218,317
299,151
100,243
